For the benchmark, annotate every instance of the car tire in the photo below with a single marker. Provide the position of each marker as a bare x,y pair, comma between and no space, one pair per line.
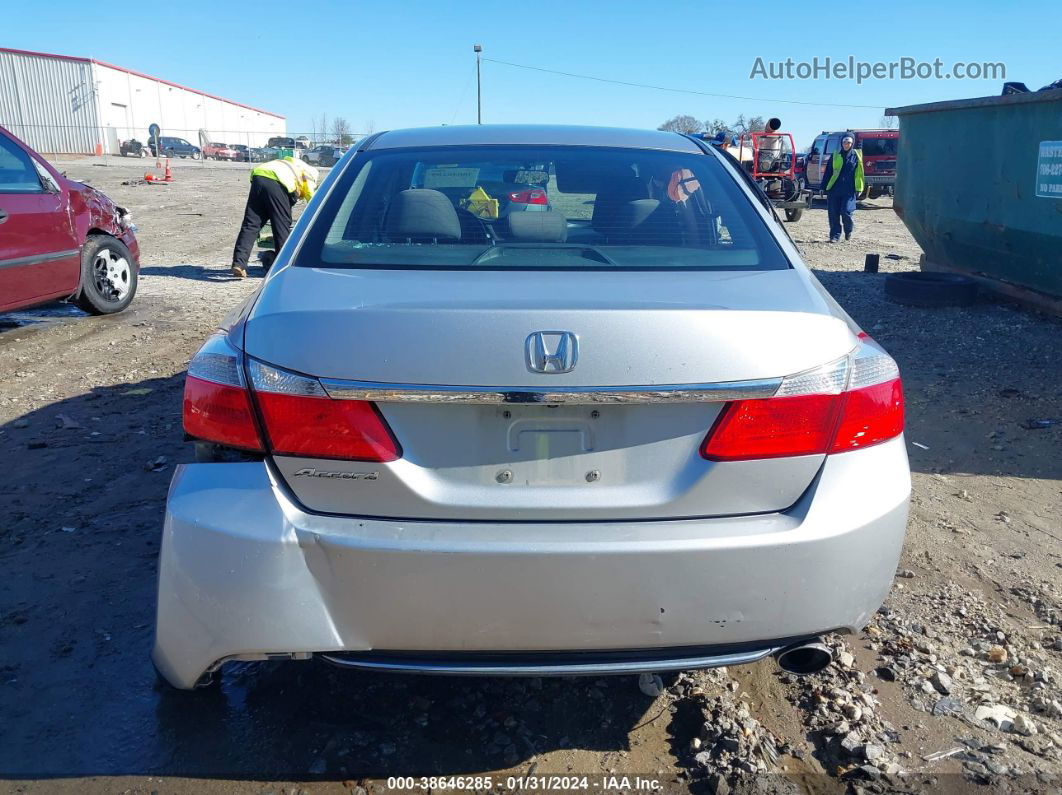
108,276
794,214
929,288
143,153
194,155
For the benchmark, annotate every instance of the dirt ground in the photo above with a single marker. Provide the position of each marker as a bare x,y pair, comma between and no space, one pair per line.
90,431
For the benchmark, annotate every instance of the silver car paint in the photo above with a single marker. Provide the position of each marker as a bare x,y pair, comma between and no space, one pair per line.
246,572
531,135
629,462
470,327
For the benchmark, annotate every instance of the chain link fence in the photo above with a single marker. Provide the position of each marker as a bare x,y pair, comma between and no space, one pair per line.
196,144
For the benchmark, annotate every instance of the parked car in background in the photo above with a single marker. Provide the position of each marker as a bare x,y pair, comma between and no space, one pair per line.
60,238
259,154
629,433
325,155
879,149
174,147
133,148
241,152
219,152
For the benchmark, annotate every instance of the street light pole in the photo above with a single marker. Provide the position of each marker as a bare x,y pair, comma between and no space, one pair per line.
477,49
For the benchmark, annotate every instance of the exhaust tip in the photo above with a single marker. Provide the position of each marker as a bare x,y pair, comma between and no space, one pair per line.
804,658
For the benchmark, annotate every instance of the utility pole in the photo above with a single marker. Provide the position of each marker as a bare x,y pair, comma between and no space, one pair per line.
477,49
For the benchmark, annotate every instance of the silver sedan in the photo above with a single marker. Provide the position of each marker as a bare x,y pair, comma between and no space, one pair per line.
628,432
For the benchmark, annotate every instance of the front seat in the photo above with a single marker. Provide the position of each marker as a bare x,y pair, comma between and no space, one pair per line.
421,215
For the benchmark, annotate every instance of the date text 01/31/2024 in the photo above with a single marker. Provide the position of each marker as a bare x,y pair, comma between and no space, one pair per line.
531,783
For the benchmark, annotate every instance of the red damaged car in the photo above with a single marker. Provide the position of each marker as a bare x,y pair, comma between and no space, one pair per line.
60,238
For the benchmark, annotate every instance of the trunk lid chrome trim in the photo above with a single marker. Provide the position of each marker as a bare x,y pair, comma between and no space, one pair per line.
655,393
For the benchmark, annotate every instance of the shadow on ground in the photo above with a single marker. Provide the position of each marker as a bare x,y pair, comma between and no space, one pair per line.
82,504
975,378
82,520
200,273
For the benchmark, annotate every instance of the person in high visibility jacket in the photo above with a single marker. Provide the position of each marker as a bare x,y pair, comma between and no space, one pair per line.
843,181
275,188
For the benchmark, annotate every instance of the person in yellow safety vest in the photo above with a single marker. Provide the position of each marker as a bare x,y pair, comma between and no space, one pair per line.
275,187
843,182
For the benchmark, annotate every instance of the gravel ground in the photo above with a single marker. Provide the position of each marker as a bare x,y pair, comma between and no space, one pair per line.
954,686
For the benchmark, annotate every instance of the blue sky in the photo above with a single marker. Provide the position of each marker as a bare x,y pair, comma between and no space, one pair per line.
400,64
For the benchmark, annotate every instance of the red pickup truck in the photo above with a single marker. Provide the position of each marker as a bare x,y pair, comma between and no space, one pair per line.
219,152
60,238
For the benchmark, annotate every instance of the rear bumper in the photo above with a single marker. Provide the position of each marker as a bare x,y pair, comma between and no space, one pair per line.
244,573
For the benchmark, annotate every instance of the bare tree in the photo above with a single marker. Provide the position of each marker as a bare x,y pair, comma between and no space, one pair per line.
320,125
750,124
682,124
889,122
341,131
716,126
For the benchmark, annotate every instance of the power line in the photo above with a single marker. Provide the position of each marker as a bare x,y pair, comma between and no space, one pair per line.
677,90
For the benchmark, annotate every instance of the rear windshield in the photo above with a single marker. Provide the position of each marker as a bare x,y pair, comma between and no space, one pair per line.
874,147
561,208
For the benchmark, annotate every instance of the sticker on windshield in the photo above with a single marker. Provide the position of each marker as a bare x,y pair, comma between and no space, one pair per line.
1049,170
441,177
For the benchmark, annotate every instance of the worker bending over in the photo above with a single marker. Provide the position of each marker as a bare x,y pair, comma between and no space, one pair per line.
275,187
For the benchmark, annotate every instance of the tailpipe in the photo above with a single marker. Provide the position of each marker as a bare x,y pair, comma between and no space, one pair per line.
804,658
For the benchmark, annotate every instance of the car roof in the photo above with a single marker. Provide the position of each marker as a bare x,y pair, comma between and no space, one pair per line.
533,134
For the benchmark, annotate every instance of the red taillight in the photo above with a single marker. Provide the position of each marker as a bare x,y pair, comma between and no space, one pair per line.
772,428
534,196
320,427
871,415
299,418
219,413
814,414
296,414
807,424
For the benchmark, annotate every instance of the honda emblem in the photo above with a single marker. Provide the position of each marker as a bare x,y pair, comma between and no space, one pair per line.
552,352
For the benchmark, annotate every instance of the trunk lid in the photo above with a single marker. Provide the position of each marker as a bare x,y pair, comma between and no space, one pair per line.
546,462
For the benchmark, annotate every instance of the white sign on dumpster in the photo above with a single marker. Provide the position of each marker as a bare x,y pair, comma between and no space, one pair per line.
1049,170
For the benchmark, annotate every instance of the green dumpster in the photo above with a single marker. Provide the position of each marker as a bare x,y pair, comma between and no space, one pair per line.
979,184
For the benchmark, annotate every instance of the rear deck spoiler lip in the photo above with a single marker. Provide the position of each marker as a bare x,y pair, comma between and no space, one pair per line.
593,395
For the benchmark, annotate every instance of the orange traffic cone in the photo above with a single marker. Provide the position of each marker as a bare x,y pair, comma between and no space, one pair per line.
168,176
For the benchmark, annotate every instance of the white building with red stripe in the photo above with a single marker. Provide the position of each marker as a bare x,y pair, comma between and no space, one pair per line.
66,104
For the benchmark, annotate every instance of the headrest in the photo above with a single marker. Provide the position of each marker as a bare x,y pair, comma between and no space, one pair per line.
422,214
614,219
537,227
613,194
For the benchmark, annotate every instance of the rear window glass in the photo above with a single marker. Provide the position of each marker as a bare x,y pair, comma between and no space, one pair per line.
538,208
874,147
